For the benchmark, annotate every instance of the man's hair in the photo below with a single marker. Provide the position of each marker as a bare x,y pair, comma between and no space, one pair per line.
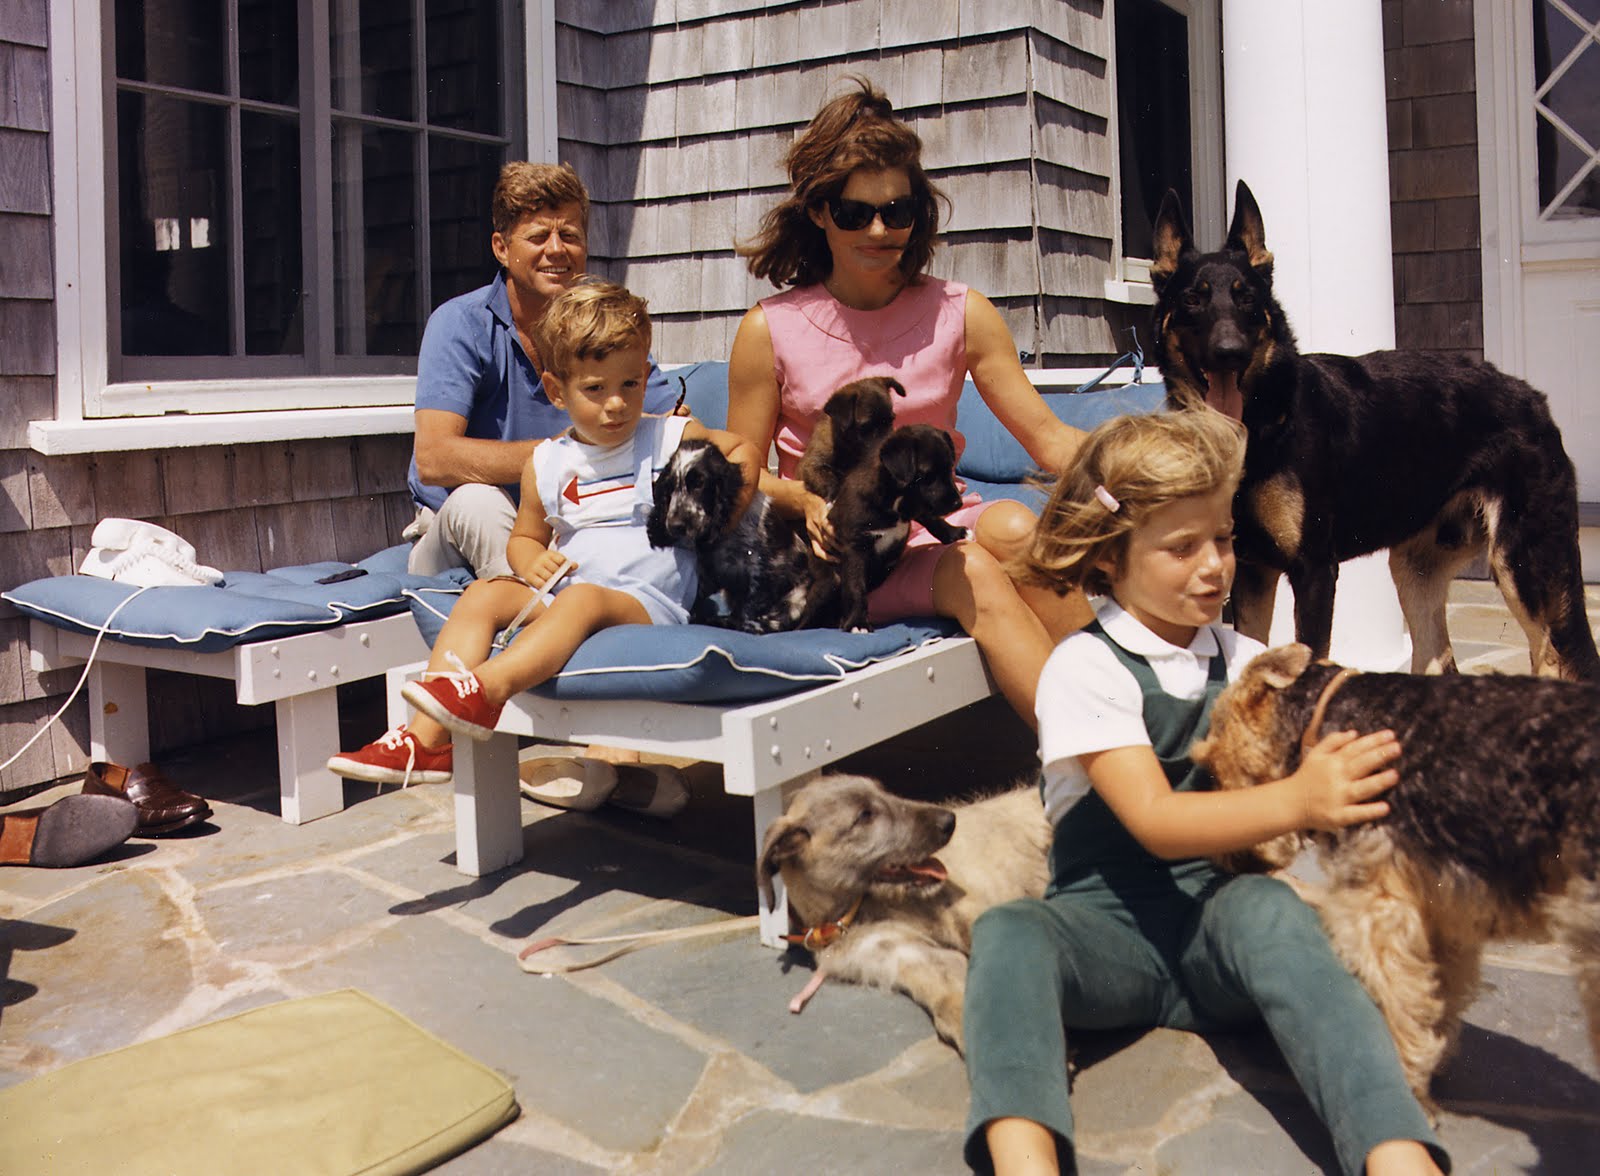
590,320
525,188
858,129
1141,462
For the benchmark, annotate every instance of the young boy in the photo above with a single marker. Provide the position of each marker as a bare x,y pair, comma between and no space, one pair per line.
578,552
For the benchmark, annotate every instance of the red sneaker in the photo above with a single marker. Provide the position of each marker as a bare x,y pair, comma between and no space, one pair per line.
454,699
395,757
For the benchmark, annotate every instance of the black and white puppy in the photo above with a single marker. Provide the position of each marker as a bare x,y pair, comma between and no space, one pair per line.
908,477
763,566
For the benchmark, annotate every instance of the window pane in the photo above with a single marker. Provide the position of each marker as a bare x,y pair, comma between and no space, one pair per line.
269,51
463,47
374,241
1575,99
372,50
1152,116
173,195
270,194
460,182
172,43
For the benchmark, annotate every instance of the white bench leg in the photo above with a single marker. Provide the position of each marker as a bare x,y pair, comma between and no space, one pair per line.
488,805
119,714
768,805
396,709
308,733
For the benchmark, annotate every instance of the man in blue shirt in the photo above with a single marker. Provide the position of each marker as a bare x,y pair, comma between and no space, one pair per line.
481,408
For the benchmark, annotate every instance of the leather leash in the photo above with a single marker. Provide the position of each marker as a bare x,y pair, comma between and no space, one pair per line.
629,942
826,934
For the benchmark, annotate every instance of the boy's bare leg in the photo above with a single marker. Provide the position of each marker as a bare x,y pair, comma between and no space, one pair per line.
544,646
486,607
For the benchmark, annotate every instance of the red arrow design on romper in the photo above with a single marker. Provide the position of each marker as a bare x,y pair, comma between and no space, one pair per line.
572,494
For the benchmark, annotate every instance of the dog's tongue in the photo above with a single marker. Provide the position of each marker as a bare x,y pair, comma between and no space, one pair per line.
931,868
1222,394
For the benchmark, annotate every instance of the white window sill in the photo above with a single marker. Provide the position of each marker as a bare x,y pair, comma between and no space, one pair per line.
1132,293
183,430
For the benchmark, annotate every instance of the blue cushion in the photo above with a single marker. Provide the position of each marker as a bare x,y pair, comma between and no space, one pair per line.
994,455
246,606
707,384
699,663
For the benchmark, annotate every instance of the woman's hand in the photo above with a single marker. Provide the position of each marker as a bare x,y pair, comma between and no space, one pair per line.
819,528
1340,777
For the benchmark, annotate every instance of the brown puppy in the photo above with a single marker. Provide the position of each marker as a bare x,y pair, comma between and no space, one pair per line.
1493,830
854,419
878,907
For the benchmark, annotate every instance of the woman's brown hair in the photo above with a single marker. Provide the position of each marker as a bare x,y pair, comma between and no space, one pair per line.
858,129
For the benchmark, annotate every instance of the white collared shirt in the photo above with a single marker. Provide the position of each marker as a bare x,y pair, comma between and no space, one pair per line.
1088,701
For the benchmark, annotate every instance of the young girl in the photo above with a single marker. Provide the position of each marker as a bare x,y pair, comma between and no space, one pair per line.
579,536
1137,927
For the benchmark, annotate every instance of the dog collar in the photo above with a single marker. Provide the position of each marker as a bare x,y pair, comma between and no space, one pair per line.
1314,727
827,934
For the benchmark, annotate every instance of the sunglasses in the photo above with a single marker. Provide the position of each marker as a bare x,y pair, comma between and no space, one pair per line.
852,215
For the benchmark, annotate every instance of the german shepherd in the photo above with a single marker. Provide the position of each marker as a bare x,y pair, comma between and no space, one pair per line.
1437,460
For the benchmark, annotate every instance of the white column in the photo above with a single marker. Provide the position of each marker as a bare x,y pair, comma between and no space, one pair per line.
1306,128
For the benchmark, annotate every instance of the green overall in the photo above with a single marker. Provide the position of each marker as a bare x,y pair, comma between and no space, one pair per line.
1124,939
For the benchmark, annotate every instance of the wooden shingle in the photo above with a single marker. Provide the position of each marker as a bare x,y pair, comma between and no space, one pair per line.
322,469
25,22
24,87
16,512
24,399
918,22
382,463
979,70
295,533
262,475
28,327
127,483
1070,76
60,490
360,527
199,479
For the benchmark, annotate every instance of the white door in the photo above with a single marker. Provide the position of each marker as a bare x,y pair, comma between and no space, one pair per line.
1539,167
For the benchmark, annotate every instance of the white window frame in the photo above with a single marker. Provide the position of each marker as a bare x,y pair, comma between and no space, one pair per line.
92,413
1130,274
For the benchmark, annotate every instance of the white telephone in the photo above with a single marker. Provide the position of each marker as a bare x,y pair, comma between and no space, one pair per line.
134,552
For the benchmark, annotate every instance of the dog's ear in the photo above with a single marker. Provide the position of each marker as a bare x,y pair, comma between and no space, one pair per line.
1283,665
1171,240
1247,235
786,837
898,458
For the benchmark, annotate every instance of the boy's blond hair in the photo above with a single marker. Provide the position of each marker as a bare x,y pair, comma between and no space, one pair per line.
1141,463
526,188
589,320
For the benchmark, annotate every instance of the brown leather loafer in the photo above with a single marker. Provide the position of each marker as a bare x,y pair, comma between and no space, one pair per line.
163,806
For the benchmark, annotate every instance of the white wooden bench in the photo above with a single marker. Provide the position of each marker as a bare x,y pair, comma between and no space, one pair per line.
298,674
766,748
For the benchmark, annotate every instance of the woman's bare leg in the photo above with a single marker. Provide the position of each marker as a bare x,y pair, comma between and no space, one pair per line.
1005,530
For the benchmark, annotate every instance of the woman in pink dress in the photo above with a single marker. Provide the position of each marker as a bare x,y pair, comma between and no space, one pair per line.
850,242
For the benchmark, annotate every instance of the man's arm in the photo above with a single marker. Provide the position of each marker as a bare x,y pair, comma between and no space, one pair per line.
447,457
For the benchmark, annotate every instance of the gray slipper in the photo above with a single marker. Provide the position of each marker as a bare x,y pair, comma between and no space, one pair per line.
70,832
656,790
580,784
